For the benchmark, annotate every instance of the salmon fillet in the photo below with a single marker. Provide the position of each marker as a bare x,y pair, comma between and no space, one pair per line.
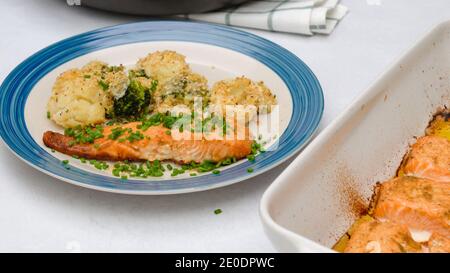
372,236
429,158
438,244
157,144
419,203
381,237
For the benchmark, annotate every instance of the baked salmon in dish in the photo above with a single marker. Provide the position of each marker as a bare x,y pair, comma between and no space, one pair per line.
429,158
132,142
372,236
410,212
438,244
421,204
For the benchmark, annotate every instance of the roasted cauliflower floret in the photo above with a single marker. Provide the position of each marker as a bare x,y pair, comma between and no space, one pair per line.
164,66
242,91
248,97
82,97
177,84
181,91
112,78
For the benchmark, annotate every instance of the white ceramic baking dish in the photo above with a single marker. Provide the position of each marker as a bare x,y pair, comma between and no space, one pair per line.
316,199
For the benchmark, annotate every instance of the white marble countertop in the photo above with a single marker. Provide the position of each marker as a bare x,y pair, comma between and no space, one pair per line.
40,213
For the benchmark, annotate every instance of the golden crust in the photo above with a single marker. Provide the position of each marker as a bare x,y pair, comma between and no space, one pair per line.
78,98
164,66
242,91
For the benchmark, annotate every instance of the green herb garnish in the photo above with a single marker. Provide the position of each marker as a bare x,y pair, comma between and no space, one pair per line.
251,158
116,133
84,135
134,136
104,85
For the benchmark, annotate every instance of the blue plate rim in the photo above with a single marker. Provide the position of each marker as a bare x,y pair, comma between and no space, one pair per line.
243,42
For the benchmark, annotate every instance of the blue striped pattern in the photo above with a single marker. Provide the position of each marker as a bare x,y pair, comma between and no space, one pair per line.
305,90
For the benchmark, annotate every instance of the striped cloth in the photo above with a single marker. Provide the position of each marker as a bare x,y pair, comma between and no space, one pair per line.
305,17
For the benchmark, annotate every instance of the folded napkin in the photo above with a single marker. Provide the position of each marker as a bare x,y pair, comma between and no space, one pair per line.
294,16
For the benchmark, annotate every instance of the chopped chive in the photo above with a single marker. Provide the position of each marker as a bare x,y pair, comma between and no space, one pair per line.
65,162
116,172
193,174
103,85
251,158
249,170
84,135
48,114
217,211
134,136
216,172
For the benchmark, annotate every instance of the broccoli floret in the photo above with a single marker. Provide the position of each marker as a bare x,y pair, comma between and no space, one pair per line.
137,73
136,100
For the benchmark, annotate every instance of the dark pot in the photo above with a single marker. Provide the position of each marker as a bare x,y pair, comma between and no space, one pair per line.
160,7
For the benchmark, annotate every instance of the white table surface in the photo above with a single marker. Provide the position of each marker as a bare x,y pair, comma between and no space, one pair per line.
40,214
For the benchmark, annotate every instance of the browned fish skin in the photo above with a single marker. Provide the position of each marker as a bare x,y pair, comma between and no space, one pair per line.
157,144
61,142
